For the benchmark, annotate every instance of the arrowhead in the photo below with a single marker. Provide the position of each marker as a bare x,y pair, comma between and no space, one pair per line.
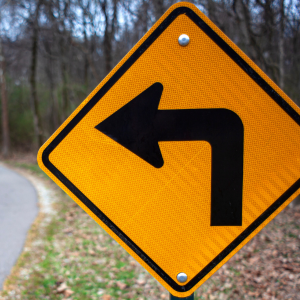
132,125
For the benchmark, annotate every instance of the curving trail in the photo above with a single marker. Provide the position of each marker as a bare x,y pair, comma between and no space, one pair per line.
18,209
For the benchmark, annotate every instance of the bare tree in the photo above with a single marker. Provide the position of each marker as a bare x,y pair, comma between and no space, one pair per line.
34,53
64,48
4,101
281,44
110,23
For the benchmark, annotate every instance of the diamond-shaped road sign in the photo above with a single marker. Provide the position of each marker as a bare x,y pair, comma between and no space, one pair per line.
182,153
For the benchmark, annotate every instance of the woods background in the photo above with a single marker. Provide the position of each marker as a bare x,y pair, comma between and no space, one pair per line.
53,53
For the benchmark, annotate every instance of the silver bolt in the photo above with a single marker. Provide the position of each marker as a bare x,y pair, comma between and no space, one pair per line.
183,40
182,277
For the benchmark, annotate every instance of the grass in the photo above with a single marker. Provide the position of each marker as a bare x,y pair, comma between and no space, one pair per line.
34,168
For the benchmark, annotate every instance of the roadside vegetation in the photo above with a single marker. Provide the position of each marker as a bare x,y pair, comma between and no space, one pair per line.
53,53
71,257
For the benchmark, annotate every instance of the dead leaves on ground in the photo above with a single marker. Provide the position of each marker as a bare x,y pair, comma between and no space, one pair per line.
64,289
267,268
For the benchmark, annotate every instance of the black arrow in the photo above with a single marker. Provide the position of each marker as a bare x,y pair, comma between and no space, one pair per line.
139,126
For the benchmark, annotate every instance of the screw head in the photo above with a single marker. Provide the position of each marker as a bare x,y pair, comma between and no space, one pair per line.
182,277
183,40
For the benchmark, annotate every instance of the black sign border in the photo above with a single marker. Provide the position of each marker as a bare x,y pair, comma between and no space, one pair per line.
126,65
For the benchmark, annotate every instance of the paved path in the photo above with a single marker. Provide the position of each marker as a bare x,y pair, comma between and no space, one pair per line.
18,209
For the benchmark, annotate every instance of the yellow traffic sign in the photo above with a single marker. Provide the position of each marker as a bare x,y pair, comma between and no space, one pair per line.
182,153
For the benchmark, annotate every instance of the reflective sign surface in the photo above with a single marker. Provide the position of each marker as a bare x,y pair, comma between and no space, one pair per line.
182,154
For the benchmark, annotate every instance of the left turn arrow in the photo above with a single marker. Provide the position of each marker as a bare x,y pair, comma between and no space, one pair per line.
139,126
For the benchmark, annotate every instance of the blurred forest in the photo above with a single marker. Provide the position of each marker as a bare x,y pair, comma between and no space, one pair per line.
54,52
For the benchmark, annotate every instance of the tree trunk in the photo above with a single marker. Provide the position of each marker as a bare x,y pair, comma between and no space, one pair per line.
159,8
86,60
65,92
109,33
35,105
4,102
107,52
281,46
54,101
